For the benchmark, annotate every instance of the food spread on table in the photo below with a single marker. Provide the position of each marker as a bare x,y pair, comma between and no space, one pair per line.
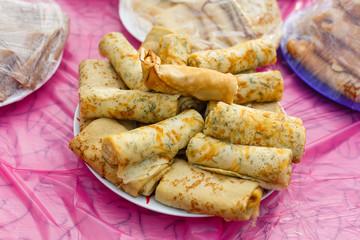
202,131
32,38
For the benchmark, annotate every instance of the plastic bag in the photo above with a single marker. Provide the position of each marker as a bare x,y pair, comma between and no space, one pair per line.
32,37
322,45
209,24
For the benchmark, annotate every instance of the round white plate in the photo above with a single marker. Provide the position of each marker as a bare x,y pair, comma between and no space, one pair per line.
146,202
137,29
22,93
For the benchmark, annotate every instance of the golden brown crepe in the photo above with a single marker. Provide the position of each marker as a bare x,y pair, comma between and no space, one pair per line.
242,57
87,146
263,112
202,84
198,191
265,86
153,37
143,155
342,81
174,49
97,73
271,167
142,177
124,58
244,127
134,105
163,139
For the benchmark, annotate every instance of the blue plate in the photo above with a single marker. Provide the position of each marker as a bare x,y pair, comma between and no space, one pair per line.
290,30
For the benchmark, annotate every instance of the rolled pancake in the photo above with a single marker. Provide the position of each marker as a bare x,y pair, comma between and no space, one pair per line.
97,73
87,146
198,191
136,176
135,105
153,37
124,58
202,84
242,57
265,113
343,82
265,86
244,127
174,49
163,139
150,186
271,167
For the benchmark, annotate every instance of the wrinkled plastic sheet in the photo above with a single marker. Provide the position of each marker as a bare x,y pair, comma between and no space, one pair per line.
46,192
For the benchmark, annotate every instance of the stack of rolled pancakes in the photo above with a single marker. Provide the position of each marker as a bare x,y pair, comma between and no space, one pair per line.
201,130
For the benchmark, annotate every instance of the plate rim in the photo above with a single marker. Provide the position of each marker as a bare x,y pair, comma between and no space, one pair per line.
150,203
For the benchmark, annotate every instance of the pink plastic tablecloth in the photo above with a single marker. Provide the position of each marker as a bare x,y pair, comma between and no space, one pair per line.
46,192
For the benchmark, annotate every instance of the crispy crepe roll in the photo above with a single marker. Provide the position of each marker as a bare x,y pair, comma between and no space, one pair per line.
135,105
242,57
152,39
265,113
174,49
135,176
87,146
202,84
150,186
162,139
342,81
271,167
270,114
240,126
259,87
198,191
124,58
97,73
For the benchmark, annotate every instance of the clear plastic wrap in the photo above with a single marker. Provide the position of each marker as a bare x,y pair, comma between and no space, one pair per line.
210,24
322,45
32,38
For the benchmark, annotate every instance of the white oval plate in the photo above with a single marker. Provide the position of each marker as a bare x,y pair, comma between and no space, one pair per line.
145,202
22,93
